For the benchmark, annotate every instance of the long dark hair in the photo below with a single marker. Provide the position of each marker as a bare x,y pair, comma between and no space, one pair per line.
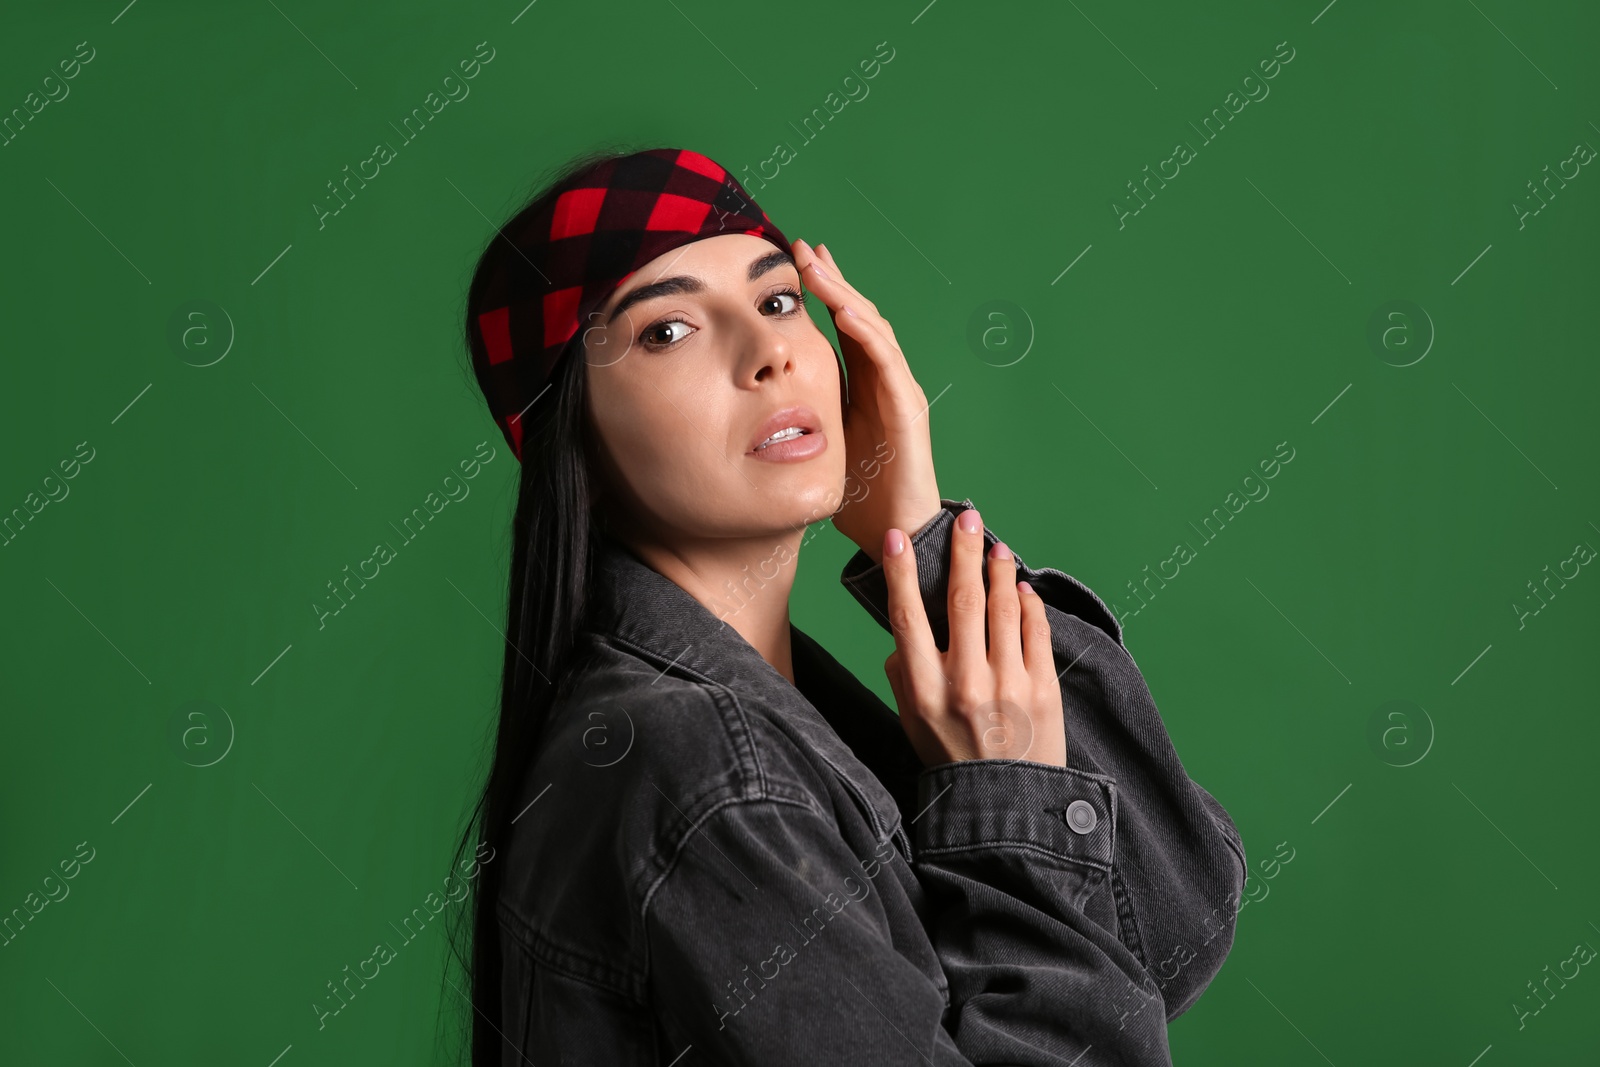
552,545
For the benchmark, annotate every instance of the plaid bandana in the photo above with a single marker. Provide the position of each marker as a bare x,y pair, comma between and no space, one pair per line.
607,224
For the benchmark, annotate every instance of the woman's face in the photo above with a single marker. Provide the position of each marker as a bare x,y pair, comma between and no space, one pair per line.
687,362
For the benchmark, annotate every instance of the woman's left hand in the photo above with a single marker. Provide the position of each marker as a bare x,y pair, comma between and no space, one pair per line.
889,481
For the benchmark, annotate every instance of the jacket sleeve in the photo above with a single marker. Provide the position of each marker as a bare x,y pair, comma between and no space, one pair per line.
1179,865
769,942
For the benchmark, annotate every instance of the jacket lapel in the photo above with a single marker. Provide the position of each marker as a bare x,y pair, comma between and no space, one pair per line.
864,722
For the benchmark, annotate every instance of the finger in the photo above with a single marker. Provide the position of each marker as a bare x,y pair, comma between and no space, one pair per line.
879,371
806,261
833,294
825,259
1005,638
826,255
919,663
837,295
883,352
813,266
833,289
1037,655
883,358
966,600
870,330
891,670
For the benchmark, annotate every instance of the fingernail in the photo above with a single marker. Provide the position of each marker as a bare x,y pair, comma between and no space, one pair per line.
969,521
816,268
1000,551
894,543
1025,588
847,310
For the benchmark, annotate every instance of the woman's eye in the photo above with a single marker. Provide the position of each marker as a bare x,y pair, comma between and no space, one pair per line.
662,334
788,301
665,334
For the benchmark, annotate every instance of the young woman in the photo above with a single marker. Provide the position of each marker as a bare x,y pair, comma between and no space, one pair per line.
708,843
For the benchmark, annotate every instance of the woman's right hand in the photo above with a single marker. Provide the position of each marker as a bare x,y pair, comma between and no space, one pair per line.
973,702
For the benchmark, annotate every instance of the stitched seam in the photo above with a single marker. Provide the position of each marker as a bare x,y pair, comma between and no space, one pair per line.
683,843
527,1014
726,700
1128,919
1076,584
564,961
1026,846
1104,785
874,817
1237,847
721,696
903,841
1076,772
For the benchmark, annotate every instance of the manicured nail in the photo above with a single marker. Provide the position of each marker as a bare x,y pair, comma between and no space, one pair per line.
969,521
894,543
847,311
1000,551
816,268
1025,588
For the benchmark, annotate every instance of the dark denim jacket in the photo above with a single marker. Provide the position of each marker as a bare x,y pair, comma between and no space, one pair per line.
714,866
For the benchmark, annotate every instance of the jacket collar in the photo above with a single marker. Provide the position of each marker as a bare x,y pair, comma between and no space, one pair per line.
652,617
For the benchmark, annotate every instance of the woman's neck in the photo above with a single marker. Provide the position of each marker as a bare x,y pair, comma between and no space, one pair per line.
745,583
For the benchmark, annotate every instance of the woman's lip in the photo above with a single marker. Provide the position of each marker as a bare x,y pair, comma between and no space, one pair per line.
797,415
794,449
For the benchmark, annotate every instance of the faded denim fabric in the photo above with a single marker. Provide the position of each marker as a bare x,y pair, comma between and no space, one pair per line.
714,866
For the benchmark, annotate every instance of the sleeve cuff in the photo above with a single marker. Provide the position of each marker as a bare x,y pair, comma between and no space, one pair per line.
996,803
866,582
931,544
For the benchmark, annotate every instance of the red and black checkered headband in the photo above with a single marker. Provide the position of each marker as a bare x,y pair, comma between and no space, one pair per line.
609,222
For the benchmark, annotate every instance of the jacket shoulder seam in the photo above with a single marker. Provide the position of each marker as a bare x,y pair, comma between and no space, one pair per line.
684,839
805,804
726,702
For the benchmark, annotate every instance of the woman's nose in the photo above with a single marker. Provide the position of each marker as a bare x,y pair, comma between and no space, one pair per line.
769,353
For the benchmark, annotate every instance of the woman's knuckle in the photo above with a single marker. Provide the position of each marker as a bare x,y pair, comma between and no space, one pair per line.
966,599
968,695
960,684
902,618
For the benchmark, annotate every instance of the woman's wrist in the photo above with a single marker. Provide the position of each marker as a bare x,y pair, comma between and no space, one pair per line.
910,528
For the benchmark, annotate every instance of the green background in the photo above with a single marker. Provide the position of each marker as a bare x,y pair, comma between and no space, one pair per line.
1143,384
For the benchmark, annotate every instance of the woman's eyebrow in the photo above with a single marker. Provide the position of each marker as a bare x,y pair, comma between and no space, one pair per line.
688,283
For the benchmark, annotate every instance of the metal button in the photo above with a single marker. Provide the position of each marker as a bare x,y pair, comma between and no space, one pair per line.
1080,816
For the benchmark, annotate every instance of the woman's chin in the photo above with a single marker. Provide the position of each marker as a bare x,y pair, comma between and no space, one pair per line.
798,499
